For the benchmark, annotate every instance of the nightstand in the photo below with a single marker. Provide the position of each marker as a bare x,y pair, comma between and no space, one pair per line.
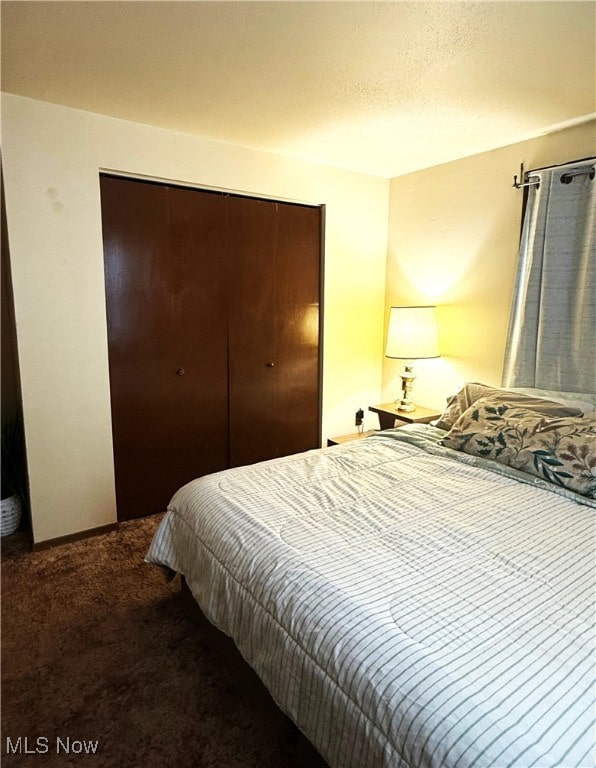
388,413
347,438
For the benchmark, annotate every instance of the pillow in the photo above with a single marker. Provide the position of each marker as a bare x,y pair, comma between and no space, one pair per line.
584,400
560,450
473,391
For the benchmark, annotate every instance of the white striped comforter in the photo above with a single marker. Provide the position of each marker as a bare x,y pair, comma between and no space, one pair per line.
406,609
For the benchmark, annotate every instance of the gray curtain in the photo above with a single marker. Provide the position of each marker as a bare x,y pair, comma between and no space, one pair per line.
551,342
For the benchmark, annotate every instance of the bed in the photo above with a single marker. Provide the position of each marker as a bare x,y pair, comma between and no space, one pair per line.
407,604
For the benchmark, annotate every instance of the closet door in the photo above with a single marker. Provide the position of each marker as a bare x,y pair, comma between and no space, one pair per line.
166,297
275,258
299,352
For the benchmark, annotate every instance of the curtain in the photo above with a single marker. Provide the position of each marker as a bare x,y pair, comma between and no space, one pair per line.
551,342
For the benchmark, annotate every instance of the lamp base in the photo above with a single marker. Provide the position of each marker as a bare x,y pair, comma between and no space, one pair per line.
407,382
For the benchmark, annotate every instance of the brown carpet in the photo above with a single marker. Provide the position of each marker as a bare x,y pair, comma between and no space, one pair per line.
96,646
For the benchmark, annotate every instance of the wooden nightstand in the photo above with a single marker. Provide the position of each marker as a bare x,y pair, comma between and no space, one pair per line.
347,438
388,413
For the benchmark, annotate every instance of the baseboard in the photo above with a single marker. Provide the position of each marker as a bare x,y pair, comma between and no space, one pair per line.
70,537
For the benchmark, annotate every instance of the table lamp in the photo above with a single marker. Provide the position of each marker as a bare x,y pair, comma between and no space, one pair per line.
411,335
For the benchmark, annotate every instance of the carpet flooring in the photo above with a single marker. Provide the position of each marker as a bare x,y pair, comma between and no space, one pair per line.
98,647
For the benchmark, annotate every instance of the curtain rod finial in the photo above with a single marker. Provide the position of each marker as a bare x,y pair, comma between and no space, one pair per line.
517,183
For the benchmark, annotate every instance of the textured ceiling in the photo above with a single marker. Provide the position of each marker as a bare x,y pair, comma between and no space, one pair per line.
384,88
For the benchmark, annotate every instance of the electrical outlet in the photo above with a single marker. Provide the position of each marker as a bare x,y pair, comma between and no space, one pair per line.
359,417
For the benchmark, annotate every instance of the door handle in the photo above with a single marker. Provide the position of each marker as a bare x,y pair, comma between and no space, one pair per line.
180,372
270,365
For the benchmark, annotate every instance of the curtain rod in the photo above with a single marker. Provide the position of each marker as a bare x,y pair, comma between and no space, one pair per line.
533,181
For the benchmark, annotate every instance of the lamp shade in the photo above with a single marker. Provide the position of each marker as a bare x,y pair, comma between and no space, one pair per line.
412,333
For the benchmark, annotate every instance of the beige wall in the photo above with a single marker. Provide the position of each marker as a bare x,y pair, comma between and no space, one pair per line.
52,156
453,238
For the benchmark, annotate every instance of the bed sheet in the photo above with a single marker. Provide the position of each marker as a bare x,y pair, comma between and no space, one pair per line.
405,609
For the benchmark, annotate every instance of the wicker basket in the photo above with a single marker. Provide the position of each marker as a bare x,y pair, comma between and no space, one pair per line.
10,510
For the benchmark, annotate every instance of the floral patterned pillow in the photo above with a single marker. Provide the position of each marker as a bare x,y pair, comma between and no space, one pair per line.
561,450
471,392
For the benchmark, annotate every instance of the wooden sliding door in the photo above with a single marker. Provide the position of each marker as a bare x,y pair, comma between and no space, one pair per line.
166,291
213,305
274,329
